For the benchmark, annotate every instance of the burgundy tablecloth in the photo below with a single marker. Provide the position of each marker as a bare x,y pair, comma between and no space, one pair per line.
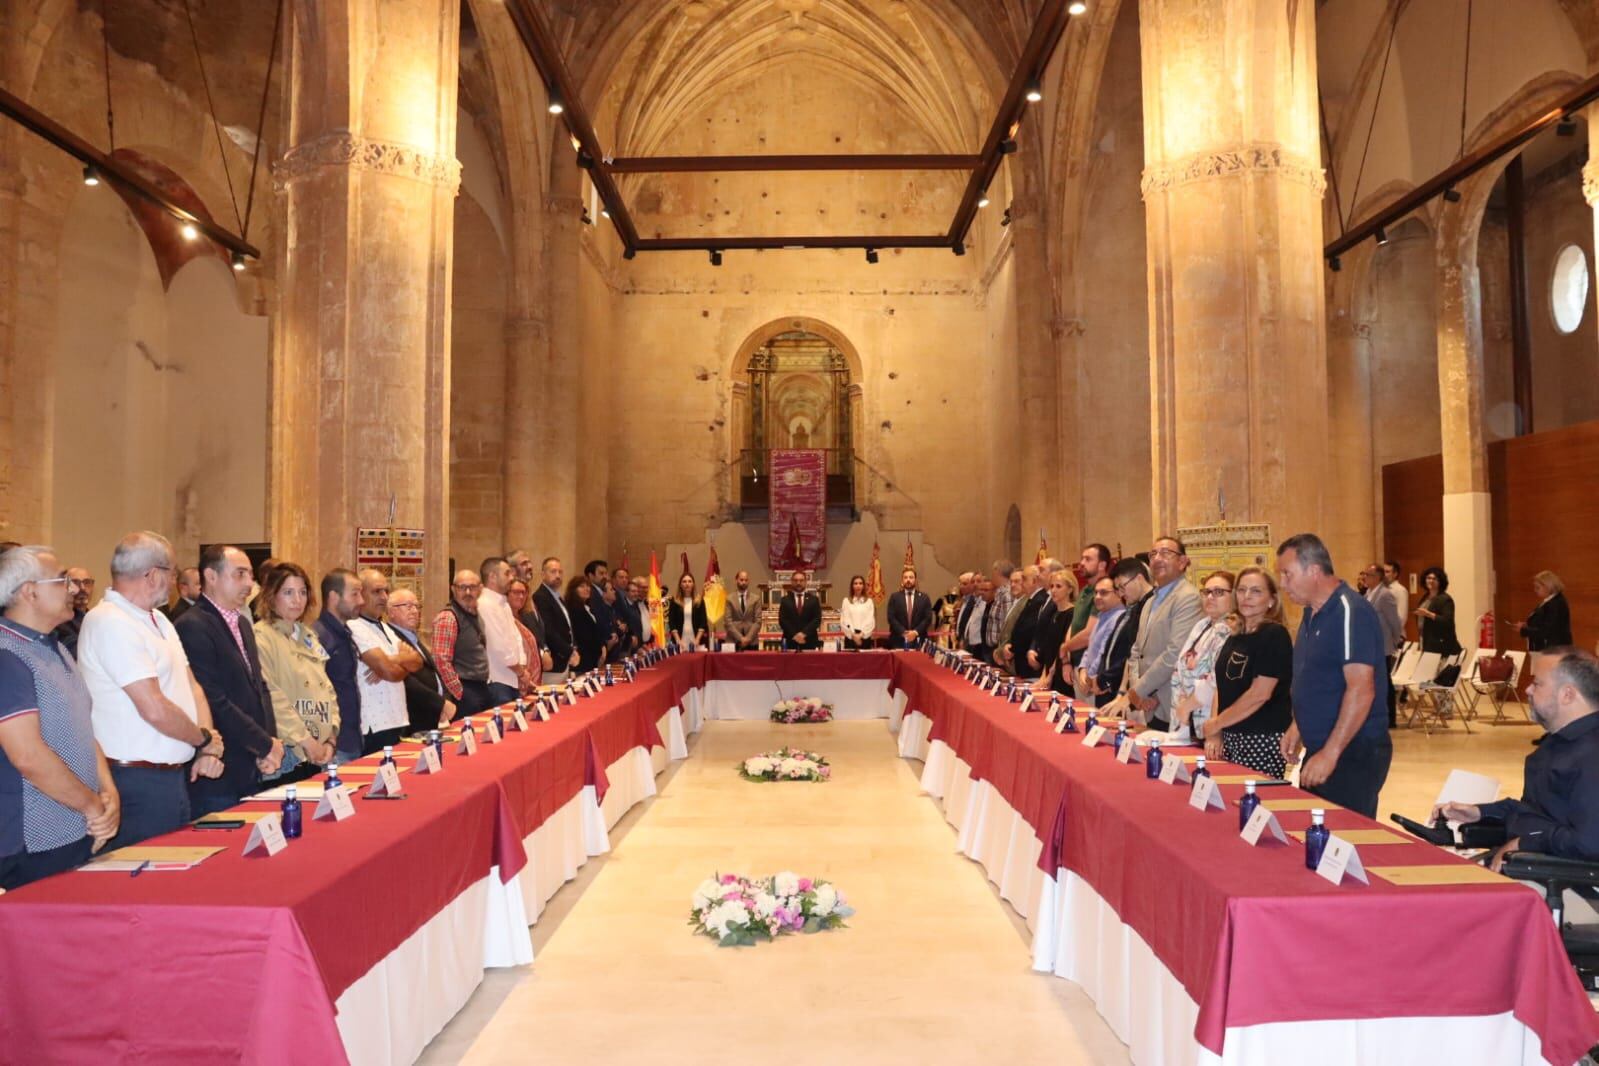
1252,935
795,666
244,958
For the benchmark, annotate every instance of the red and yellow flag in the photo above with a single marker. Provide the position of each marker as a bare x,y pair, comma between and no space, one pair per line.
910,552
1043,548
715,594
657,610
874,577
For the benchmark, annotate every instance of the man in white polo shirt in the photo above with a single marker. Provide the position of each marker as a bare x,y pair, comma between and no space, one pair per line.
150,717
386,661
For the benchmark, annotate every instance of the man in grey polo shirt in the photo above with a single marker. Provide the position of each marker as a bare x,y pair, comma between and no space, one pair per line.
1339,678
57,801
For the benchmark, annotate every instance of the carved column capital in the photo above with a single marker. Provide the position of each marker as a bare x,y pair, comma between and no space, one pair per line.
1590,181
1227,162
342,148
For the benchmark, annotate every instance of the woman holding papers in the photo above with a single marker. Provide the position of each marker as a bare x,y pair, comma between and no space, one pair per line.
857,616
1254,674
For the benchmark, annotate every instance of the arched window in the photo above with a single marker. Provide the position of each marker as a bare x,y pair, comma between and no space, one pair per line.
1568,288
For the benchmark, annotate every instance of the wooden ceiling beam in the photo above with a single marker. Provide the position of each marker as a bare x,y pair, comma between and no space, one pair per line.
681,164
728,244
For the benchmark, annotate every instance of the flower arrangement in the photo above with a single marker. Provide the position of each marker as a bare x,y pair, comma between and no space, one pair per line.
738,911
785,764
802,709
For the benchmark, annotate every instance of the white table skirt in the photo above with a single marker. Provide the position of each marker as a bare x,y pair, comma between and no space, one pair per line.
852,698
391,1012
1078,936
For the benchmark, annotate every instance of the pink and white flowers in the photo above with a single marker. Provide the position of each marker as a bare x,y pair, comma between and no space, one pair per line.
802,709
785,764
738,911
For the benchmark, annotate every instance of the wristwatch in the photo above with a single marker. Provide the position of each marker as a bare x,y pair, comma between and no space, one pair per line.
205,739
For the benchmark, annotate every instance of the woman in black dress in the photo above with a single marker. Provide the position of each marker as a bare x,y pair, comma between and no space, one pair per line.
1549,624
1254,676
685,607
586,635
1052,634
1435,618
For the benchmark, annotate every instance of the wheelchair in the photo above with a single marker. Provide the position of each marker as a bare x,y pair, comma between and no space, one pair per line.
1554,876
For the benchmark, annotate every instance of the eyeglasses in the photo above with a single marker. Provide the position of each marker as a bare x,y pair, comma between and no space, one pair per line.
467,588
1217,592
69,582
1165,553
1122,588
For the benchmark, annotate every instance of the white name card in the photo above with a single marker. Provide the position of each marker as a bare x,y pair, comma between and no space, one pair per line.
1206,795
1340,859
1263,823
387,782
491,732
544,709
468,744
266,837
520,719
1027,703
1174,770
428,761
1095,735
728,646
829,645
1128,749
335,803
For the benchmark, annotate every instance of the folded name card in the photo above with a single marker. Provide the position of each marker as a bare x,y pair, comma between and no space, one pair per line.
1027,703
491,732
266,837
429,762
1174,771
335,803
1263,823
1206,796
1128,749
520,719
1341,860
387,784
1095,735
468,741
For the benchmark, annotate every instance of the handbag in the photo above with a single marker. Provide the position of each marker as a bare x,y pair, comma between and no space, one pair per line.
1495,669
1448,677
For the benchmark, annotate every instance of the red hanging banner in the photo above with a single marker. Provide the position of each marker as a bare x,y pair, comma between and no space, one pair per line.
798,501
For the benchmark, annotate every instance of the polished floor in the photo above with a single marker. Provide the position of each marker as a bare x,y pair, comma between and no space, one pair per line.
934,969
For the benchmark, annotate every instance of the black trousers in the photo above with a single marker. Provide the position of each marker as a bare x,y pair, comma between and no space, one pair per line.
1393,695
474,698
1359,776
27,867
153,802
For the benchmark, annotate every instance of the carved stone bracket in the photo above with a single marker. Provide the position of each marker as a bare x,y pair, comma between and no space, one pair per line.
344,149
1590,181
1243,159
1066,326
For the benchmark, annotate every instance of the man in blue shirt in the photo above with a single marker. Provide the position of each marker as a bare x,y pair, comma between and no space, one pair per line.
57,800
1558,812
1339,677
342,600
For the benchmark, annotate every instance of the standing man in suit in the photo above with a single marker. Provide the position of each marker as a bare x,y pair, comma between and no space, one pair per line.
800,616
1024,630
188,593
910,612
427,703
966,586
1166,622
742,619
220,644
557,623
1014,602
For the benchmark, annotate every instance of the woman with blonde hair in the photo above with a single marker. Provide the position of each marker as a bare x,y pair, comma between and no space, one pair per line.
1549,624
1254,673
1193,682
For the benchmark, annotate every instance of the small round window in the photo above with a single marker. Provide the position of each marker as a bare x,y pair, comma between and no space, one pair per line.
1568,291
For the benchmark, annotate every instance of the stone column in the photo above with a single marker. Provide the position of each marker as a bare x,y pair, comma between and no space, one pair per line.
1041,494
1233,190
360,369
1353,528
555,392
1468,514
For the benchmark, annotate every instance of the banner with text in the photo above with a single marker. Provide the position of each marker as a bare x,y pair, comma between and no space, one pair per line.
798,509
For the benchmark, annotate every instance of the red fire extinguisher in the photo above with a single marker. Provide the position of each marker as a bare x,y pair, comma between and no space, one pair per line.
1485,631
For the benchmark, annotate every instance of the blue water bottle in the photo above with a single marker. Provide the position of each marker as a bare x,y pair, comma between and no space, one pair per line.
1316,838
1071,715
1199,767
1122,737
436,738
388,755
1093,720
333,776
291,813
1247,804
499,722
1152,761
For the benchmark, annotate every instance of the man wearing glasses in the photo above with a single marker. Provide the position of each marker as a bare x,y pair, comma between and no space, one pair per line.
1165,624
58,804
82,593
150,715
1130,585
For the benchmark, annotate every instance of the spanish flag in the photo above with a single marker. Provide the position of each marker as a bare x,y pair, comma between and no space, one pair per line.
657,610
715,595
910,553
1043,548
874,577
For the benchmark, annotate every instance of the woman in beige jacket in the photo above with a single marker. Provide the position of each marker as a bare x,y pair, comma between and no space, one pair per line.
294,666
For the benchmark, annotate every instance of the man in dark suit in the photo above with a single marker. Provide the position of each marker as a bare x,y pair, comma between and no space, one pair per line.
910,612
188,593
969,602
598,571
1025,632
220,643
427,704
1131,582
800,616
557,623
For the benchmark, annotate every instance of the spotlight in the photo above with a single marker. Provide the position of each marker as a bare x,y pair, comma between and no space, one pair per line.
585,160
629,252
237,261
1452,194
982,201
716,258
556,107
91,176
1382,236
871,255
190,231
1336,263
960,248
1007,146
1076,7
1005,221
605,212
587,219
1566,127
1035,92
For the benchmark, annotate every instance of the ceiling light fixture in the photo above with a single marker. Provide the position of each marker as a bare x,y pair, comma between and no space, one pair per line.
1076,7
1007,146
960,248
1382,236
1452,195
91,176
716,258
1566,127
190,231
1035,92
1336,263
237,261
556,107
871,255
982,201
